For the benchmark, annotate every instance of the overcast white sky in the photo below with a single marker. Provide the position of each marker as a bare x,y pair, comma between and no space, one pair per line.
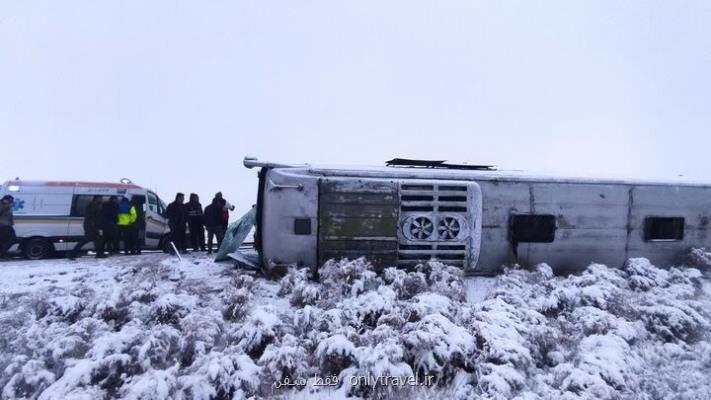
174,94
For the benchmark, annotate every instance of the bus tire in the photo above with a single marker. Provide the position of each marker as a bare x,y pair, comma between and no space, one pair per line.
37,249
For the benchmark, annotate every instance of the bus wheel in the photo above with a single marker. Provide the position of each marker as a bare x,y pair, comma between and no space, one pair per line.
37,249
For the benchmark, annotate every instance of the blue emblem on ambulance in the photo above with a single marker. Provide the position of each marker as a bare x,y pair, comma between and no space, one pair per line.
18,205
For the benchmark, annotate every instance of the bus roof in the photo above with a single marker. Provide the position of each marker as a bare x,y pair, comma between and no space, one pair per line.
415,170
492,175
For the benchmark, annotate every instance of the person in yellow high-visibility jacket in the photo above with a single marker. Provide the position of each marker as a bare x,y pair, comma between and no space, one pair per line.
127,226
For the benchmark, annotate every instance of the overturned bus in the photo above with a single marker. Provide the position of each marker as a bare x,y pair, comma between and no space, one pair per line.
475,217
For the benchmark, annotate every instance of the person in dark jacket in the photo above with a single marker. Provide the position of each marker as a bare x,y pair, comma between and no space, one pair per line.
109,225
176,220
195,222
7,223
139,202
93,216
127,216
213,217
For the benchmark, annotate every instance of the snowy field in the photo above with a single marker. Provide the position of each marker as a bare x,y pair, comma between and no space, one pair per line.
151,327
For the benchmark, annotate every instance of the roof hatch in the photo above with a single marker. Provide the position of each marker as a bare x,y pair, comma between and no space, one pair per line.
404,162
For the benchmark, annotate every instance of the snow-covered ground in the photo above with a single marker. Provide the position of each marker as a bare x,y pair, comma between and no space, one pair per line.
152,327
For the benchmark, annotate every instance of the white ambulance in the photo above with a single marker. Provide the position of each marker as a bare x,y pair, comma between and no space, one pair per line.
49,214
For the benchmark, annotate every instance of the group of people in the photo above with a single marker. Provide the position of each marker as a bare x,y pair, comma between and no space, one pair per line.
7,223
214,218
108,223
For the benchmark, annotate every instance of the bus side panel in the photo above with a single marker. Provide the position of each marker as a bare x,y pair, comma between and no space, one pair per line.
289,219
591,225
690,203
499,201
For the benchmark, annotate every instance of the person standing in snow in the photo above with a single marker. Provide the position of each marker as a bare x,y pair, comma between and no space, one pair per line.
226,208
213,217
127,225
140,226
7,223
176,220
195,222
109,220
93,216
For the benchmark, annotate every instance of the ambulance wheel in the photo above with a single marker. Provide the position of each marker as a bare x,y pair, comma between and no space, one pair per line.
37,249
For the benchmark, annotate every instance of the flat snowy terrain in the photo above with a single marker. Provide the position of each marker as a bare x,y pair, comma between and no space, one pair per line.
152,327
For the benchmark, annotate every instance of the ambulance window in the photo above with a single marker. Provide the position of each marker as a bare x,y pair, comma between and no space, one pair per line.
529,228
79,203
161,207
152,202
140,200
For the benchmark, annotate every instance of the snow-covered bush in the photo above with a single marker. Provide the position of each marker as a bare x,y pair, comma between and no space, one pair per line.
346,278
160,348
170,308
444,279
172,329
27,378
236,302
65,307
301,289
385,358
286,358
154,384
293,277
305,293
335,354
405,284
229,374
201,332
259,330
699,258
437,346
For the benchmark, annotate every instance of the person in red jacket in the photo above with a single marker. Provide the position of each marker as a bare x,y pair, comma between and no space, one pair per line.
226,208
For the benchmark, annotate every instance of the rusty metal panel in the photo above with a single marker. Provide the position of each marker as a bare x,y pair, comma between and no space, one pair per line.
357,227
359,198
356,218
364,210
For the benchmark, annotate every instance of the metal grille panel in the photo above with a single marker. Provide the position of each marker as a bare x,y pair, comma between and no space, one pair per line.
433,223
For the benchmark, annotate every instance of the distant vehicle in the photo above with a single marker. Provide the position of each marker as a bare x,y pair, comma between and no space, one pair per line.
475,217
49,214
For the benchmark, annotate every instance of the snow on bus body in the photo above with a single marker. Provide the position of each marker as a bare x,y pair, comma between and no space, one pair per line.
49,215
477,219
